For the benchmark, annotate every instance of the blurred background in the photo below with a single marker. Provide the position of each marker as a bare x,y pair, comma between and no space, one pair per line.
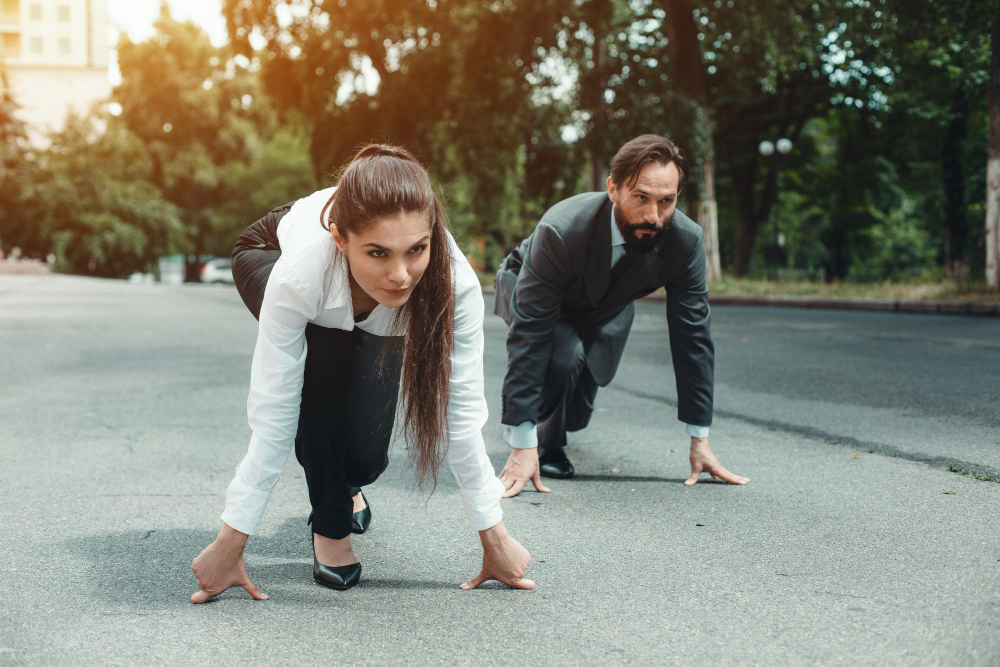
836,146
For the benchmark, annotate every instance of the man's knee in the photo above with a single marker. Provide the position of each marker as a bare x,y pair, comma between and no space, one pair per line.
568,357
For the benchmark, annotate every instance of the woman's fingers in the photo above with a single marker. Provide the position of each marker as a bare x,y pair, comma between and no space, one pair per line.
254,592
201,596
693,478
523,584
475,581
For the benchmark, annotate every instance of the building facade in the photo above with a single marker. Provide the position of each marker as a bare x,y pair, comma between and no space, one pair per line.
56,56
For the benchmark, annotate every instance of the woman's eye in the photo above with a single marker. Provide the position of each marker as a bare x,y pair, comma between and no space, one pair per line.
376,253
416,250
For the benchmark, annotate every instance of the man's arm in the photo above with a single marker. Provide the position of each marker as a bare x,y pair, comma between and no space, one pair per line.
538,298
691,347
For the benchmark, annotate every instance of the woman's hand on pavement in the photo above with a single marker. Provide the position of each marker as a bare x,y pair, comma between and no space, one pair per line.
220,567
504,559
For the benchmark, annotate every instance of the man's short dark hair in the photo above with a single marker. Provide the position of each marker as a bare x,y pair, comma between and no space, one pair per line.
644,149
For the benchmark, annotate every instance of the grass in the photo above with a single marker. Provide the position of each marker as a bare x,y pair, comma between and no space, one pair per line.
945,289
974,475
897,291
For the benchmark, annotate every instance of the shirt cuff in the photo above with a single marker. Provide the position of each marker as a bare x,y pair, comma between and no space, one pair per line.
522,436
244,507
697,431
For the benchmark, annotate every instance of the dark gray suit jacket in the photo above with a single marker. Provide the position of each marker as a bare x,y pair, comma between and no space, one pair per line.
562,272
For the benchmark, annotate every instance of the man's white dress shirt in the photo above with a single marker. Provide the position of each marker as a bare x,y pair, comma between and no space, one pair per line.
525,434
309,283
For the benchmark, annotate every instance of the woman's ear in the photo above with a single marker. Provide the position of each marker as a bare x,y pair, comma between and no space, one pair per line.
337,238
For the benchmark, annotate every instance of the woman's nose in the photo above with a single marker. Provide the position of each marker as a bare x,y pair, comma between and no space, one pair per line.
398,273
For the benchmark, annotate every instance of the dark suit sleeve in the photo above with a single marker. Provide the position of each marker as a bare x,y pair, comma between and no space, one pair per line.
691,346
535,308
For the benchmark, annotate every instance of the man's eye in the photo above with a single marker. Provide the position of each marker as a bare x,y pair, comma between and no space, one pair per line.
641,197
416,250
667,201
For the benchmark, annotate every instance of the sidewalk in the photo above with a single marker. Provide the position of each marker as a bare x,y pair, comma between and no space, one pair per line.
940,307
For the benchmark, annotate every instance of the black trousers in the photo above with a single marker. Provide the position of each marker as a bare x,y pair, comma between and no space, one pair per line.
349,394
568,392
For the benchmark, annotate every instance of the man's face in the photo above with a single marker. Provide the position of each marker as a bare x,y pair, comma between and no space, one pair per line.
643,211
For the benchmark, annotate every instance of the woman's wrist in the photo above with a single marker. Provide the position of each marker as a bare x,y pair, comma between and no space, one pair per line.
230,538
493,534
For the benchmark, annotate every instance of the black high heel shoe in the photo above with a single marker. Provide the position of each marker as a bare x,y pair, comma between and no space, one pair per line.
362,519
340,577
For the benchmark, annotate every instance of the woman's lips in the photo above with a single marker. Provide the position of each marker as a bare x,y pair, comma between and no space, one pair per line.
396,292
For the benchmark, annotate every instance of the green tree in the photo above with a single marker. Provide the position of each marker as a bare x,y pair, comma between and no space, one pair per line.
95,205
197,110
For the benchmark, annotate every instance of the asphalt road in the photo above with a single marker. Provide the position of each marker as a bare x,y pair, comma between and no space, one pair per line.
122,418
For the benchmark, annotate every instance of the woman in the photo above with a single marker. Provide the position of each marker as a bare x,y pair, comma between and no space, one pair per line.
360,290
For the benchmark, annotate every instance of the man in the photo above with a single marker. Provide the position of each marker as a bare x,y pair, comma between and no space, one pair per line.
568,292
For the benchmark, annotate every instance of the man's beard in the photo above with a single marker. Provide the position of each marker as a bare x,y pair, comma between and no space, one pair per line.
634,243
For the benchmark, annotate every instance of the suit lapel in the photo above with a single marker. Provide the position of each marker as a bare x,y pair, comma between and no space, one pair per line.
599,255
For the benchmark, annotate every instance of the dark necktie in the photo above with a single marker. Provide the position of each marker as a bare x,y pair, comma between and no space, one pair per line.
623,265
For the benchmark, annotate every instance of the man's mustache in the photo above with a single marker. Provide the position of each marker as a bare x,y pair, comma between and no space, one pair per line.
649,226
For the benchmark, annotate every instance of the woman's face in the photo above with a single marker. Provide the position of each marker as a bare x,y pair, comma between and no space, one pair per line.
389,256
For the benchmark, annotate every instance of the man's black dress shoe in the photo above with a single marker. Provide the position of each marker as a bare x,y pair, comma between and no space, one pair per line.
555,464
361,520
340,577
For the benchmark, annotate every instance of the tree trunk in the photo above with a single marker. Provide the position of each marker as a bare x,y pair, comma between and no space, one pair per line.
993,168
687,73
953,180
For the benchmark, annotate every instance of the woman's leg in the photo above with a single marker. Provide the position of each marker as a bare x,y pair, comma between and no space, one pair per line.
345,422
254,256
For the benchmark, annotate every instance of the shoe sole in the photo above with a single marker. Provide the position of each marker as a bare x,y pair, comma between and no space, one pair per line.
336,588
558,475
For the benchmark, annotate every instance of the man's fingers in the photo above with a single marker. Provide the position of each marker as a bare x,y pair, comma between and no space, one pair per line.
726,476
475,581
201,596
507,482
693,478
539,486
515,488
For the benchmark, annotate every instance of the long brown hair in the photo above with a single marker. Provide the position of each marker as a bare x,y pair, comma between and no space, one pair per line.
383,181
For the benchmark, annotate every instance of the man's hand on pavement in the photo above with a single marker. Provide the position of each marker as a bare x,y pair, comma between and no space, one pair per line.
522,465
703,460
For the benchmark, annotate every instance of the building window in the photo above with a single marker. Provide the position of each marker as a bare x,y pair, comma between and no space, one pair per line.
10,44
35,12
10,12
37,46
64,46
63,12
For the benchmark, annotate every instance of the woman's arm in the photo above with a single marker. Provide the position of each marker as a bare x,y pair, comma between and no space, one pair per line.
275,393
272,409
504,559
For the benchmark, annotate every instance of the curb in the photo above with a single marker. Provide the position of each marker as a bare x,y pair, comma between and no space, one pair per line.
951,307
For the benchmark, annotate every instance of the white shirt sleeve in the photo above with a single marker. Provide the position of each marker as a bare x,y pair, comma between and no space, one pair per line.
467,413
275,393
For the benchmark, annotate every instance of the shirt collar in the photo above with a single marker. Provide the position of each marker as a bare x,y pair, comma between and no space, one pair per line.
616,235
340,283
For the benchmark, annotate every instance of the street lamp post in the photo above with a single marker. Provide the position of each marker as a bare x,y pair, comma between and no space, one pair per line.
776,149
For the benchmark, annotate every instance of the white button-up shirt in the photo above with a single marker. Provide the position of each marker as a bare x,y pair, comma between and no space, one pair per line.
525,434
309,283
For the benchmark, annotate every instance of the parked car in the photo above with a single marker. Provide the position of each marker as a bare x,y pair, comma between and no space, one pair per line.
217,271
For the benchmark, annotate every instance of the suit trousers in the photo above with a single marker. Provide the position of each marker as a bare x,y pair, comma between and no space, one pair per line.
568,392
349,393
